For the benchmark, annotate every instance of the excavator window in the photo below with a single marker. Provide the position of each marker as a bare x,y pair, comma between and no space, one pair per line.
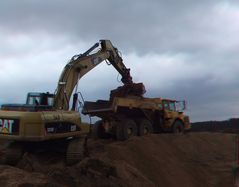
33,100
40,99
50,101
36,102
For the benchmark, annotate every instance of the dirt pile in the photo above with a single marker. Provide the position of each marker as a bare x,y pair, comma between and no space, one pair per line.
194,159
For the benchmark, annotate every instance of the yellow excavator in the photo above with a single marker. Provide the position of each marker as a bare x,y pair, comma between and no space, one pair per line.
47,118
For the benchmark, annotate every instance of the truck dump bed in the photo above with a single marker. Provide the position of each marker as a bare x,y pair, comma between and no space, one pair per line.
97,108
101,108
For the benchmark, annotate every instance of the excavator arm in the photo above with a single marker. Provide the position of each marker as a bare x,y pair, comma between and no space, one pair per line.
81,64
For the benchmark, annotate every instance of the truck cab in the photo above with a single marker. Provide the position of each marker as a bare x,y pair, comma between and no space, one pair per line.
173,105
173,115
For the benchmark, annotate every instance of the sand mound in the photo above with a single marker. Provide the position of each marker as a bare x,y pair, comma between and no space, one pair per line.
194,159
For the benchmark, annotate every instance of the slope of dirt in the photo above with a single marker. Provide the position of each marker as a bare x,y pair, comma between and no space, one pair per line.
194,159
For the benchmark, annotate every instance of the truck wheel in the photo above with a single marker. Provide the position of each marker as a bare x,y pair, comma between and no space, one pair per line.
126,129
98,130
178,127
144,127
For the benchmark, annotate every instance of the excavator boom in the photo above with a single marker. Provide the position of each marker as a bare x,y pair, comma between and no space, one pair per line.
79,65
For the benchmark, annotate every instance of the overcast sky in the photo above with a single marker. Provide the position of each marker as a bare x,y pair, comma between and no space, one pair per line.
179,49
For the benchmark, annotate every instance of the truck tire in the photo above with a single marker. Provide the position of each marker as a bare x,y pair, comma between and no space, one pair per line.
178,127
144,127
126,129
158,122
98,131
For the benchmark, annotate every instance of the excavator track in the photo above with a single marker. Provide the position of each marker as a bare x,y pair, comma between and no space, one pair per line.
12,153
76,150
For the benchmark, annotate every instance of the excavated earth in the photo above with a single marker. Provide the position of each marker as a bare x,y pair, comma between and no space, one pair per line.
193,159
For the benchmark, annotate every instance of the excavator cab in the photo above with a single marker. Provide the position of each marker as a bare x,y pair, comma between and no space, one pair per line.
35,98
35,102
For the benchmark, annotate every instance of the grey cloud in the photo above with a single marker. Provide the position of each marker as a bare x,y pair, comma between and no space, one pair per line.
204,31
141,26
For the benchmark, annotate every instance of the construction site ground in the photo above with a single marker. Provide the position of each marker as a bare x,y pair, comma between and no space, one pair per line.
193,159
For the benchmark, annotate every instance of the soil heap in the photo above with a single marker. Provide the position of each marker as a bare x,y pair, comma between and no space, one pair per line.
193,159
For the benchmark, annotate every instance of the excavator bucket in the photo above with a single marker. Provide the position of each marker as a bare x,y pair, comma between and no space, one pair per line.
134,89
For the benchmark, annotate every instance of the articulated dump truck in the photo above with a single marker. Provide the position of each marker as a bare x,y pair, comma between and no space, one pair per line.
126,115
